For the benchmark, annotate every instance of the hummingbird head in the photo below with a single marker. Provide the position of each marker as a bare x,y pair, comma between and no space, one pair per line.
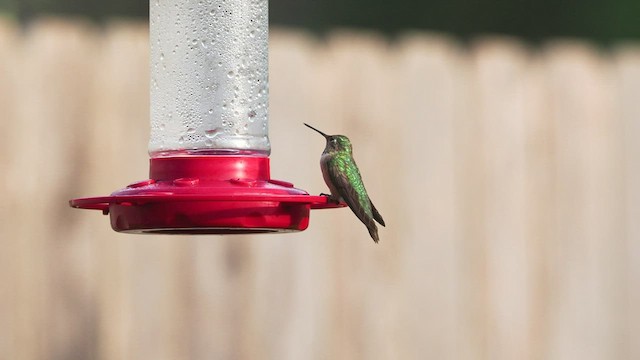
335,143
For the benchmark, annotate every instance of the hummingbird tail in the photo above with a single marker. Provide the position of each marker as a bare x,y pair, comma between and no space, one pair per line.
373,231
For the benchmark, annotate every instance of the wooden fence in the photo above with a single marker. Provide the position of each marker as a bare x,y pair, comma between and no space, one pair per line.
509,177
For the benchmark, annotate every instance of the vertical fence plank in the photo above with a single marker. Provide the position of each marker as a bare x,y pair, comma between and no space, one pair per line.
148,294
55,297
336,227
501,78
28,239
297,307
363,273
63,53
469,221
585,274
627,81
10,51
429,105
224,299
119,114
211,340
538,203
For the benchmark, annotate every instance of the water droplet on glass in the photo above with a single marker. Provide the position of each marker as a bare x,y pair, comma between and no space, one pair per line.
211,133
191,130
230,74
251,114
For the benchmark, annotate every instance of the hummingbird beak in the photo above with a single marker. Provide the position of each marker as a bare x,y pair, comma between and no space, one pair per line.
311,127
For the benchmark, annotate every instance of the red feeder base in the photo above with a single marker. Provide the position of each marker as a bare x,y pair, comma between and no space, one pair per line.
208,195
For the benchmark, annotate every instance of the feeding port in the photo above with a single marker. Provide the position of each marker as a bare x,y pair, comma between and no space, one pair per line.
209,144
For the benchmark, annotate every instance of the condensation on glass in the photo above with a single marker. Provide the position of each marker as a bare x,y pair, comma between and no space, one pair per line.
209,77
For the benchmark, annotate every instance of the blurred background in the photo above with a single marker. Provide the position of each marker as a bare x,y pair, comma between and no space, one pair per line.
600,21
499,140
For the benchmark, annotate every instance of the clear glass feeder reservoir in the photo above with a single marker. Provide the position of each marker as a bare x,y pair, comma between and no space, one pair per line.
209,145
209,77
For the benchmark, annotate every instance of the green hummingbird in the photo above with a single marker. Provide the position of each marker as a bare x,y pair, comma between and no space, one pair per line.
342,176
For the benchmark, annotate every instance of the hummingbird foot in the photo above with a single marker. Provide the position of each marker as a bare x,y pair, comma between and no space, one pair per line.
333,199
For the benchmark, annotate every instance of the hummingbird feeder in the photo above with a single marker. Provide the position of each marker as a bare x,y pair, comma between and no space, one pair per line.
209,145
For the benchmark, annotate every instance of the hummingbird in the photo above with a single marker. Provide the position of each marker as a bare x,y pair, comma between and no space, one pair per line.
342,176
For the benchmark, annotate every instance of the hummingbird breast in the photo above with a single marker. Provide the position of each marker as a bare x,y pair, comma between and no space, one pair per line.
325,162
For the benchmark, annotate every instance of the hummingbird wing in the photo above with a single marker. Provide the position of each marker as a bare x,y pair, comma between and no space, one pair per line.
345,176
376,215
